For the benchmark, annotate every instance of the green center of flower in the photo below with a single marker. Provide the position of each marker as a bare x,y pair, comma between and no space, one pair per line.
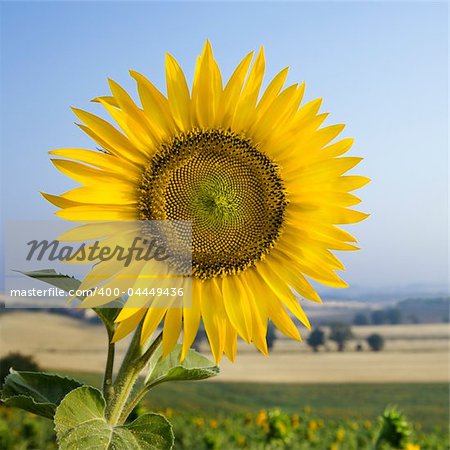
230,192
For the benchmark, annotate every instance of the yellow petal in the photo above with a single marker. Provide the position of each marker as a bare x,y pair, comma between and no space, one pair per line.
259,324
230,341
106,292
134,302
350,183
334,167
273,307
272,91
136,131
112,194
191,322
98,212
127,312
207,89
322,227
337,149
99,274
114,141
84,174
322,198
127,326
281,289
214,317
178,93
125,102
237,306
152,319
338,215
292,268
319,238
281,319
246,107
320,273
232,91
309,109
171,331
104,161
107,99
96,230
156,106
59,201
327,134
283,107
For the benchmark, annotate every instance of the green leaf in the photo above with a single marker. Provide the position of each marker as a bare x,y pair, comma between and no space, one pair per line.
36,392
80,423
108,314
68,283
193,367
50,276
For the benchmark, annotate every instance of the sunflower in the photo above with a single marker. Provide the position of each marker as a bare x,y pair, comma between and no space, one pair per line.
258,177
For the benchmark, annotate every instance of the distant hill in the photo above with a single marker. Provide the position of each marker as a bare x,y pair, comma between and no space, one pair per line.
356,312
386,294
425,310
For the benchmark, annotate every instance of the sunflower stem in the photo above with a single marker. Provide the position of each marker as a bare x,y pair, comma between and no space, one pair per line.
132,403
140,394
124,381
132,365
135,398
108,388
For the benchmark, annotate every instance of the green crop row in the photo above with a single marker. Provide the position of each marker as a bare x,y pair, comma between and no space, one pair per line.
262,430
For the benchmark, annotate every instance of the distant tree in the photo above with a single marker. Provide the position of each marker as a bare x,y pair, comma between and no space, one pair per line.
378,317
393,316
341,333
316,339
17,361
271,336
376,342
360,319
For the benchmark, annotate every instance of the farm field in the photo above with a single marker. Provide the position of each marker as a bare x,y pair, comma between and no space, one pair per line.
233,416
424,403
413,353
326,400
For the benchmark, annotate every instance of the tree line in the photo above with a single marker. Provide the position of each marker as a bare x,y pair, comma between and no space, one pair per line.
340,334
389,316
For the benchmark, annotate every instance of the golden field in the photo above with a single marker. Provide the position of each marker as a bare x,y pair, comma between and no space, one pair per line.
413,353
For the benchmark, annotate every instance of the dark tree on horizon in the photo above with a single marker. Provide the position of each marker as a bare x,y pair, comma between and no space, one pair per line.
16,361
316,339
376,342
341,333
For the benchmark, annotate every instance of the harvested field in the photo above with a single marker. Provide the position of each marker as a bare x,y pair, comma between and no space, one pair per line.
413,353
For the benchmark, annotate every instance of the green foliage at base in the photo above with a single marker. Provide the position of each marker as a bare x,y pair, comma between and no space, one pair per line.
85,417
36,392
80,423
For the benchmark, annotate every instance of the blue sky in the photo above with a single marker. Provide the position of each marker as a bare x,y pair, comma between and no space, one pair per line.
380,67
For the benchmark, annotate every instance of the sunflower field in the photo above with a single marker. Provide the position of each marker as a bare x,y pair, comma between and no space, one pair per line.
262,430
